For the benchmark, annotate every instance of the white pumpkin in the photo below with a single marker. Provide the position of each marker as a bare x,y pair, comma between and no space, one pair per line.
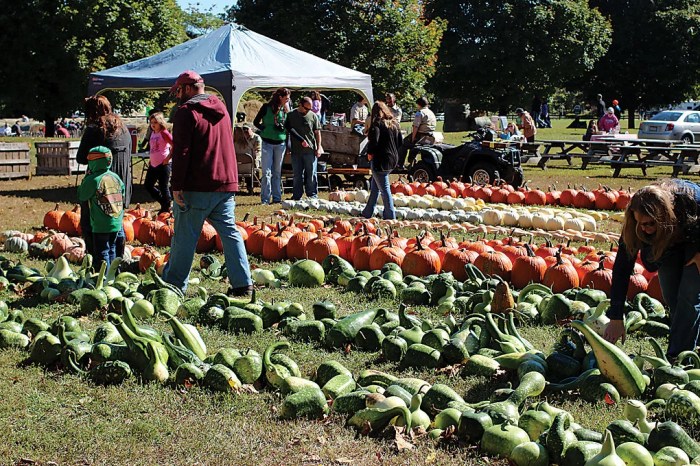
510,218
574,224
539,220
361,195
447,203
525,220
554,223
589,224
492,217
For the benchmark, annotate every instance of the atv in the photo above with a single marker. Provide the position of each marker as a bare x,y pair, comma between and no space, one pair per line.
477,160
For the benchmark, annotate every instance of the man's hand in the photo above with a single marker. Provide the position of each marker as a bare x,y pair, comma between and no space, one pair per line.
695,260
615,330
304,144
179,198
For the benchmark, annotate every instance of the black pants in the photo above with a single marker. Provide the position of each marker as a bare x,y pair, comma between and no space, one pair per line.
161,194
407,145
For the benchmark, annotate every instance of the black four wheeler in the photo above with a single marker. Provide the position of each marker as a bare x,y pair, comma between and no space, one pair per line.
472,160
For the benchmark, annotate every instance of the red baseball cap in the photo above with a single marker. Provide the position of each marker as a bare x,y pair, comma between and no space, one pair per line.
188,77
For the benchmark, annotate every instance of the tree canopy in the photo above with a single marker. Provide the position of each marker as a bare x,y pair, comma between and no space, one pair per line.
54,46
498,54
390,39
654,57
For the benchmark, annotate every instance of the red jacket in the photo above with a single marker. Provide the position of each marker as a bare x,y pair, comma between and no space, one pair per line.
203,159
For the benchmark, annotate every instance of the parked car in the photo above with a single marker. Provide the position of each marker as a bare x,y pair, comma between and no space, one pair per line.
440,116
676,125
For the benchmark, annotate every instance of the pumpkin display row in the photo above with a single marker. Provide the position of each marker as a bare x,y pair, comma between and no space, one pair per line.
366,248
467,211
602,198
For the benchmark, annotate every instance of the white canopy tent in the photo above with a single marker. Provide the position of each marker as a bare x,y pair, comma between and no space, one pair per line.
233,60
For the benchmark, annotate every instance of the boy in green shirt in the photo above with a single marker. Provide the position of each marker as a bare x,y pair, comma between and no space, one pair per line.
105,192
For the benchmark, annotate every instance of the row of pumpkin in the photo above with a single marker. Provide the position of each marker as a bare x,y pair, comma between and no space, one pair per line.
603,197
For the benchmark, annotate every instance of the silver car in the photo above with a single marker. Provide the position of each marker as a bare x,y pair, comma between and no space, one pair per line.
674,125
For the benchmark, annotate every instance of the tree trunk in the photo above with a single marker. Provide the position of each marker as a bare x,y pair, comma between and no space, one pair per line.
50,128
630,118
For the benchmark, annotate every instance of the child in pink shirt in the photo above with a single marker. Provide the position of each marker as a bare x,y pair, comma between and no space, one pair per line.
161,143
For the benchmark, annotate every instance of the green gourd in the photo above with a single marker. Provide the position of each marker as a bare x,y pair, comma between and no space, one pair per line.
309,402
275,373
614,364
501,439
560,437
374,420
156,370
529,454
607,455
249,367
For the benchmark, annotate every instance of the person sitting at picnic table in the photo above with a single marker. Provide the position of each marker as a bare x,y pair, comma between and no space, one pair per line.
510,131
591,130
609,122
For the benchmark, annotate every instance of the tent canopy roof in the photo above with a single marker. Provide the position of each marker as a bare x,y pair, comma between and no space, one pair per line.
232,60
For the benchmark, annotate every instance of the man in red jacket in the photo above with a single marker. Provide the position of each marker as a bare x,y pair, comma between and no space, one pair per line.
204,182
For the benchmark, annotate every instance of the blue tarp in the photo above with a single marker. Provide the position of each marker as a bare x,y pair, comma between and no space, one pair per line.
232,60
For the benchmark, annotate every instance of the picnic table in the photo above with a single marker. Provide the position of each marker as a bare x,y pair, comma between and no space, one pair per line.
587,151
682,157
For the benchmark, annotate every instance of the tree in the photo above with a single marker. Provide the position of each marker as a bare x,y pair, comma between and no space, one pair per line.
499,53
198,22
56,45
389,39
655,53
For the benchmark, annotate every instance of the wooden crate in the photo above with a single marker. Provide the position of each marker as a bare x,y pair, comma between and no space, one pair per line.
14,160
57,158
342,140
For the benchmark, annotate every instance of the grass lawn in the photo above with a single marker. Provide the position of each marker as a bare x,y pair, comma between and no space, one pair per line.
53,417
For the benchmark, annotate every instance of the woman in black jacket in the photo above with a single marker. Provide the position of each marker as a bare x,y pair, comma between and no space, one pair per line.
105,128
384,141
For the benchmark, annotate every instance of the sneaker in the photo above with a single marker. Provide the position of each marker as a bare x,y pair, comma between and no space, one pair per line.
241,291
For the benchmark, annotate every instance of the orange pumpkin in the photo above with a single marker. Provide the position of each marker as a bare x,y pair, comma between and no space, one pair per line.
52,218
275,246
70,221
148,258
361,258
256,240
561,276
598,279
164,234
321,247
386,252
207,238
638,284
296,247
421,261
456,259
494,263
529,268
138,211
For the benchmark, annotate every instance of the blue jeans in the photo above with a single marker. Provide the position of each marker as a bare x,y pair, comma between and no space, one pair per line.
86,228
271,165
218,207
680,286
304,166
105,245
380,184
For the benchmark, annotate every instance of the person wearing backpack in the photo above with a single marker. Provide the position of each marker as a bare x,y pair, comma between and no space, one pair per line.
103,190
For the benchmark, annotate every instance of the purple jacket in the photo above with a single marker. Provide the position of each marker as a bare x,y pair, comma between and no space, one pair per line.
203,159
